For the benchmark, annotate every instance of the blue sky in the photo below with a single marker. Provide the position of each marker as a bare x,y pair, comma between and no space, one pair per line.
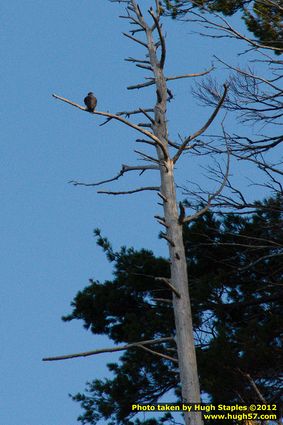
47,246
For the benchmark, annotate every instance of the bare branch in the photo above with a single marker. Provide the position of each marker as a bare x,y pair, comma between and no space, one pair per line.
156,353
169,285
127,114
199,74
273,3
108,350
144,67
261,164
162,223
264,257
76,183
161,38
142,85
202,130
226,27
130,59
160,144
164,199
250,75
113,116
255,387
136,9
164,236
136,111
144,124
163,300
135,39
147,157
151,81
124,169
146,142
212,197
140,167
147,115
158,217
239,35
162,279
134,21
129,192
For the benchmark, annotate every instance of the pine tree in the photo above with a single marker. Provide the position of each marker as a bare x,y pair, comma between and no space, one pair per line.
236,287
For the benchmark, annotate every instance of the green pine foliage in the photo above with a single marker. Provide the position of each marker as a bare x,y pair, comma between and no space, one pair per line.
263,18
235,279
265,22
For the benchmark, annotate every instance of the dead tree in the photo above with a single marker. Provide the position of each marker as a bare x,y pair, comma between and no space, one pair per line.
167,153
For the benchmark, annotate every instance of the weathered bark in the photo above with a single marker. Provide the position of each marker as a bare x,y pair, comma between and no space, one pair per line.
182,308
179,276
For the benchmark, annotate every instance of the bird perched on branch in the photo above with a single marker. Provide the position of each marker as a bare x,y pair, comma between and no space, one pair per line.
90,102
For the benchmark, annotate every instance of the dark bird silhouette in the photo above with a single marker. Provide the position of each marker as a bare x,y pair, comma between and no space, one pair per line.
90,102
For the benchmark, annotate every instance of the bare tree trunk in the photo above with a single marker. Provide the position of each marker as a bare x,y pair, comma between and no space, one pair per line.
179,276
182,308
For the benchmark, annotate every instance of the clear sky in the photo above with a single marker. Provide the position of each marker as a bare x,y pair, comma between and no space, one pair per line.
47,247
